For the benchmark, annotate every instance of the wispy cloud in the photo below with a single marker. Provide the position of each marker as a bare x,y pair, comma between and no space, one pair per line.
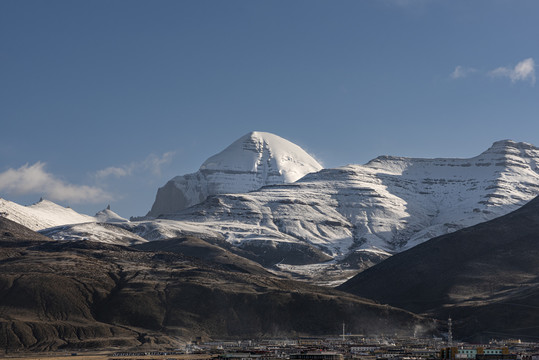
523,71
152,163
461,72
33,179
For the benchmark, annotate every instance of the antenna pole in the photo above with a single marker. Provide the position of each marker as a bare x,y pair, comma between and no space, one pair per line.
449,333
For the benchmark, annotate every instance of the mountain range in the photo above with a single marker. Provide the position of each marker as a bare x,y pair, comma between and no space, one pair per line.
389,204
358,215
436,237
276,205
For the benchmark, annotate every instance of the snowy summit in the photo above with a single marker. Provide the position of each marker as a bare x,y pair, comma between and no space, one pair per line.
256,159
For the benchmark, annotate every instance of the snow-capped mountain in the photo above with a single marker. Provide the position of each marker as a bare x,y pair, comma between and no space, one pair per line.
387,205
256,159
41,215
356,215
62,223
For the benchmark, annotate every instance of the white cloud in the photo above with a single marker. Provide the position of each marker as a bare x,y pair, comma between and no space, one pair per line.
461,72
113,171
33,179
152,163
523,71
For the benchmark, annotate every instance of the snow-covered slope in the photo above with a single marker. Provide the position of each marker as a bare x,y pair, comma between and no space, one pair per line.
254,160
46,214
388,205
62,223
41,215
102,232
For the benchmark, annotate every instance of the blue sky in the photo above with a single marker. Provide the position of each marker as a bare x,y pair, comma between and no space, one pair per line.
104,101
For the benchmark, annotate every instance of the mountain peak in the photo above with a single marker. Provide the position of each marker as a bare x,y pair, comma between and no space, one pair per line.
107,215
254,160
47,204
262,151
257,134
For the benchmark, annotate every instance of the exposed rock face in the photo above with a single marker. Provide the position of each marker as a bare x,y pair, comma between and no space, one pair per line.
255,160
483,276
